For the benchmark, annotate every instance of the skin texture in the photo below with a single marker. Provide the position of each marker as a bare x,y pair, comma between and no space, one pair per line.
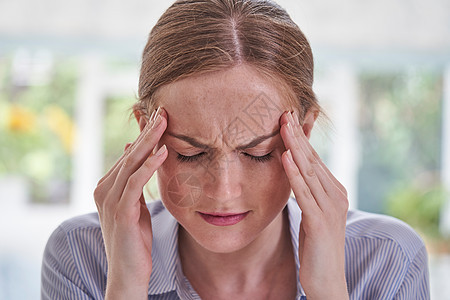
230,181
225,111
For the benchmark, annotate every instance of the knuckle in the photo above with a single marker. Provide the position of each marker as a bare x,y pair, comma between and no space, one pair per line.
310,172
101,180
129,161
297,175
315,155
128,146
312,159
344,204
305,193
98,194
124,216
120,217
132,182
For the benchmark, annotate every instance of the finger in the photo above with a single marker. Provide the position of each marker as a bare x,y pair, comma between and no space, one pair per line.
145,223
131,198
109,179
310,150
336,183
115,168
301,241
306,167
305,199
126,147
330,184
139,154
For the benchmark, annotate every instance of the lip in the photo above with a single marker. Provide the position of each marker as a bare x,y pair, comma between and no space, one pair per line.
223,219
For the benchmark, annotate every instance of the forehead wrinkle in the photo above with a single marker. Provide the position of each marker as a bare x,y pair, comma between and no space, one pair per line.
258,140
194,142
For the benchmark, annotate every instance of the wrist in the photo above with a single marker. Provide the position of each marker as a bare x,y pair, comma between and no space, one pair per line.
119,290
125,287
336,288
328,293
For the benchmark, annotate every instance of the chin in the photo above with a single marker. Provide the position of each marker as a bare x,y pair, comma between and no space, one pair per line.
222,240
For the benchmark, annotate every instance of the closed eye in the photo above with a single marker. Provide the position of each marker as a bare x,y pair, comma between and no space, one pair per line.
187,159
262,158
193,158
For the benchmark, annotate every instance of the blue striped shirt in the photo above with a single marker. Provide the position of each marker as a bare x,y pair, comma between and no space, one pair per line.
384,258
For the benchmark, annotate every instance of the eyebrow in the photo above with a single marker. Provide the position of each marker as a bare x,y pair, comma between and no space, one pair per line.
258,140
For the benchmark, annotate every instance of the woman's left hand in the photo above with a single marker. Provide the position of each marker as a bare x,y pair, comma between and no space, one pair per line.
323,202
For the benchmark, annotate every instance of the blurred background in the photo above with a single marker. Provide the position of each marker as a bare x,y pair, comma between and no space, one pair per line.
68,77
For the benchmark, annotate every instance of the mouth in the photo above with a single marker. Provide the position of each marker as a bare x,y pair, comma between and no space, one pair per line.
219,219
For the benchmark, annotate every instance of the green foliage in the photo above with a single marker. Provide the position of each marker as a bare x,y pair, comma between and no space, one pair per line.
119,128
400,119
36,127
419,207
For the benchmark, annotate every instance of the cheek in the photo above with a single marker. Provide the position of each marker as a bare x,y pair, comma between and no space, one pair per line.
272,184
179,186
268,177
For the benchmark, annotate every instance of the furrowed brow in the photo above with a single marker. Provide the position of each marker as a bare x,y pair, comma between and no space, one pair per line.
258,140
189,140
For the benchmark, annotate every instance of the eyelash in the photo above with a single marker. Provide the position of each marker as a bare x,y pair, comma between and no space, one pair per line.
188,159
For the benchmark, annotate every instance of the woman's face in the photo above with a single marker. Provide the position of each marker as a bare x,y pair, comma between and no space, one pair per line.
223,179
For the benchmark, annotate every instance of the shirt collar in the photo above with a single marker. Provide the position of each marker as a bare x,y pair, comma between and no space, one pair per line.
166,268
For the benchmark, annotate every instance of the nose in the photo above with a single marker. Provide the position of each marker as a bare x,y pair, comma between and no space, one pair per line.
225,180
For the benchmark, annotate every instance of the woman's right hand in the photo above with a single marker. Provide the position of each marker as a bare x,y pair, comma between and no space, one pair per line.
124,217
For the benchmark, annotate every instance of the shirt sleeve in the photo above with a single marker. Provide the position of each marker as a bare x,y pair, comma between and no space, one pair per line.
416,281
60,278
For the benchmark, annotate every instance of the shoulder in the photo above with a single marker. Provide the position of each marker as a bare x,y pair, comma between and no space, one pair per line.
75,234
89,224
374,230
75,266
83,222
74,261
80,238
384,257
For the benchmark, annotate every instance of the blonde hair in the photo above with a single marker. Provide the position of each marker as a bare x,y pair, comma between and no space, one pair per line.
197,36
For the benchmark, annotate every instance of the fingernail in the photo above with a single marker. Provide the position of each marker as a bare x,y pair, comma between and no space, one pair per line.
128,145
157,122
291,130
161,150
156,113
153,115
289,156
291,117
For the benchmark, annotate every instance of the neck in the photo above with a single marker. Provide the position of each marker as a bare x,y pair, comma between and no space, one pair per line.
258,264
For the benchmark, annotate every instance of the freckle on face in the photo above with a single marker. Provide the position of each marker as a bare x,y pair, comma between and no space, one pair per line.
184,189
249,107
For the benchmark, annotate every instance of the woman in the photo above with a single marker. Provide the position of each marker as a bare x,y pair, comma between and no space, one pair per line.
226,109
